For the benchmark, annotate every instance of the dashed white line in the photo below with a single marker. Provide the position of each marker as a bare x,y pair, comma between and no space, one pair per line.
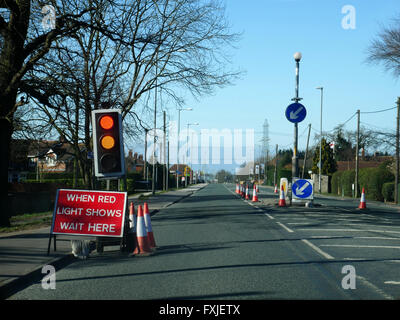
375,288
324,254
392,282
284,227
269,216
359,246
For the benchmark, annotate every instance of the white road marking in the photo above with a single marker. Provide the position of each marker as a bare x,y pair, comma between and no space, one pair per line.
284,227
324,254
377,238
269,216
328,237
375,288
392,282
349,230
359,246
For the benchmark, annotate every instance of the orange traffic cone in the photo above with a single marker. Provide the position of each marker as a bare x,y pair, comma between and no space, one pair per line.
131,240
276,189
282,201
237,189
257,188
362,204
143,247
255,197
247,193
149,228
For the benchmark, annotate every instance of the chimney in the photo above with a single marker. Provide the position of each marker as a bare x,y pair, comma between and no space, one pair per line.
135,156
130,153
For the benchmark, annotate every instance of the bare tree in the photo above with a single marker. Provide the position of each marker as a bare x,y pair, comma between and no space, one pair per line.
385,48
133,49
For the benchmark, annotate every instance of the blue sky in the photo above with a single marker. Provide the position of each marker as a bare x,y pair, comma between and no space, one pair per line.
333,57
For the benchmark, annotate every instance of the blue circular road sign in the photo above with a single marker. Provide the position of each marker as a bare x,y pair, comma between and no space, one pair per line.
296,112
302,189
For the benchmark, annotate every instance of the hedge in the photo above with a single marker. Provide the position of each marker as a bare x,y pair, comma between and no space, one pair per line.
372,179
336,183
388,191
346,181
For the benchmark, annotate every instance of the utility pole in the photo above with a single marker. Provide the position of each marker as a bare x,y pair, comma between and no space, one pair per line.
167,165
396,177
145,155
305,156
357,152
164,154
276,166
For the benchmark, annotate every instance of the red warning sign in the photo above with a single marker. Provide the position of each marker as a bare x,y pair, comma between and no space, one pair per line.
89,213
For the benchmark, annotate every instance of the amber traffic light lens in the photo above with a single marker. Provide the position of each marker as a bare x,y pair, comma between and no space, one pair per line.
107,142
106,122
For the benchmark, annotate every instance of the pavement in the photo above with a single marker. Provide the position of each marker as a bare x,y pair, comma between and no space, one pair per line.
24,254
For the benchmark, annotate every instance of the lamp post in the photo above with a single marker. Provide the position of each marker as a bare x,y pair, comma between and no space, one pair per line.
295,160
177,149
320,142
187,146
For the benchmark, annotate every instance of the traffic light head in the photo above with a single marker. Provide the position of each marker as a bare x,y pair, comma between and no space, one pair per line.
108,150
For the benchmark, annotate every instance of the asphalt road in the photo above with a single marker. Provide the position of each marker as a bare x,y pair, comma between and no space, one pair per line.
214,245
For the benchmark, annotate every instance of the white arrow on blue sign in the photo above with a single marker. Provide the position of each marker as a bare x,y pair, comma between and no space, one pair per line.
296,112
303,189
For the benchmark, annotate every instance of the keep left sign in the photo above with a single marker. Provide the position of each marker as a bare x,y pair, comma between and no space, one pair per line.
89,213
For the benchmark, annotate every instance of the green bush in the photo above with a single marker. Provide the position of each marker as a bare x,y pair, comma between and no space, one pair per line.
388,191
284,173
336,183
346,182
372,179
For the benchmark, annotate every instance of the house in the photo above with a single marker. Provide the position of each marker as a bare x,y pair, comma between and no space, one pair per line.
365,162
52,156
134,162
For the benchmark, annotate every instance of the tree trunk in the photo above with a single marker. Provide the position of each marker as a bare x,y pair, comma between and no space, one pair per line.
5,204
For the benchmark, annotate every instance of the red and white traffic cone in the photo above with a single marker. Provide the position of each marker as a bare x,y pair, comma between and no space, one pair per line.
143,247
149,228
242,191
247,193
282,201
363,204
257,188
276,189
131,240
237,189
255,197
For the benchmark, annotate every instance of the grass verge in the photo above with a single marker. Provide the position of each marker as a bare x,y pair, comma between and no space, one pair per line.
28,222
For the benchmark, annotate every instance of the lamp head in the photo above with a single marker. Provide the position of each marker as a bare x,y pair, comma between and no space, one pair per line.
297,56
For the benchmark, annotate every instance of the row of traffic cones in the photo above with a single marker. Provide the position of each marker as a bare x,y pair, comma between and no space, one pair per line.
141,240
282,201
244,192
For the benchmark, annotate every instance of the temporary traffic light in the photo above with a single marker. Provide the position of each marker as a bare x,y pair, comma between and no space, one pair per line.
108,147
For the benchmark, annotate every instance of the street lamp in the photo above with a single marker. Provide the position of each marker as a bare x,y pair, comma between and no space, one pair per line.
177,149
295,160
320,142
187,145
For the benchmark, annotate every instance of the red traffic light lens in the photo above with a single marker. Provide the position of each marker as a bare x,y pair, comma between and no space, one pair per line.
106,122
107,142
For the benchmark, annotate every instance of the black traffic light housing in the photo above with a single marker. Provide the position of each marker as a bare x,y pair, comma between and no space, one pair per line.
108,146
